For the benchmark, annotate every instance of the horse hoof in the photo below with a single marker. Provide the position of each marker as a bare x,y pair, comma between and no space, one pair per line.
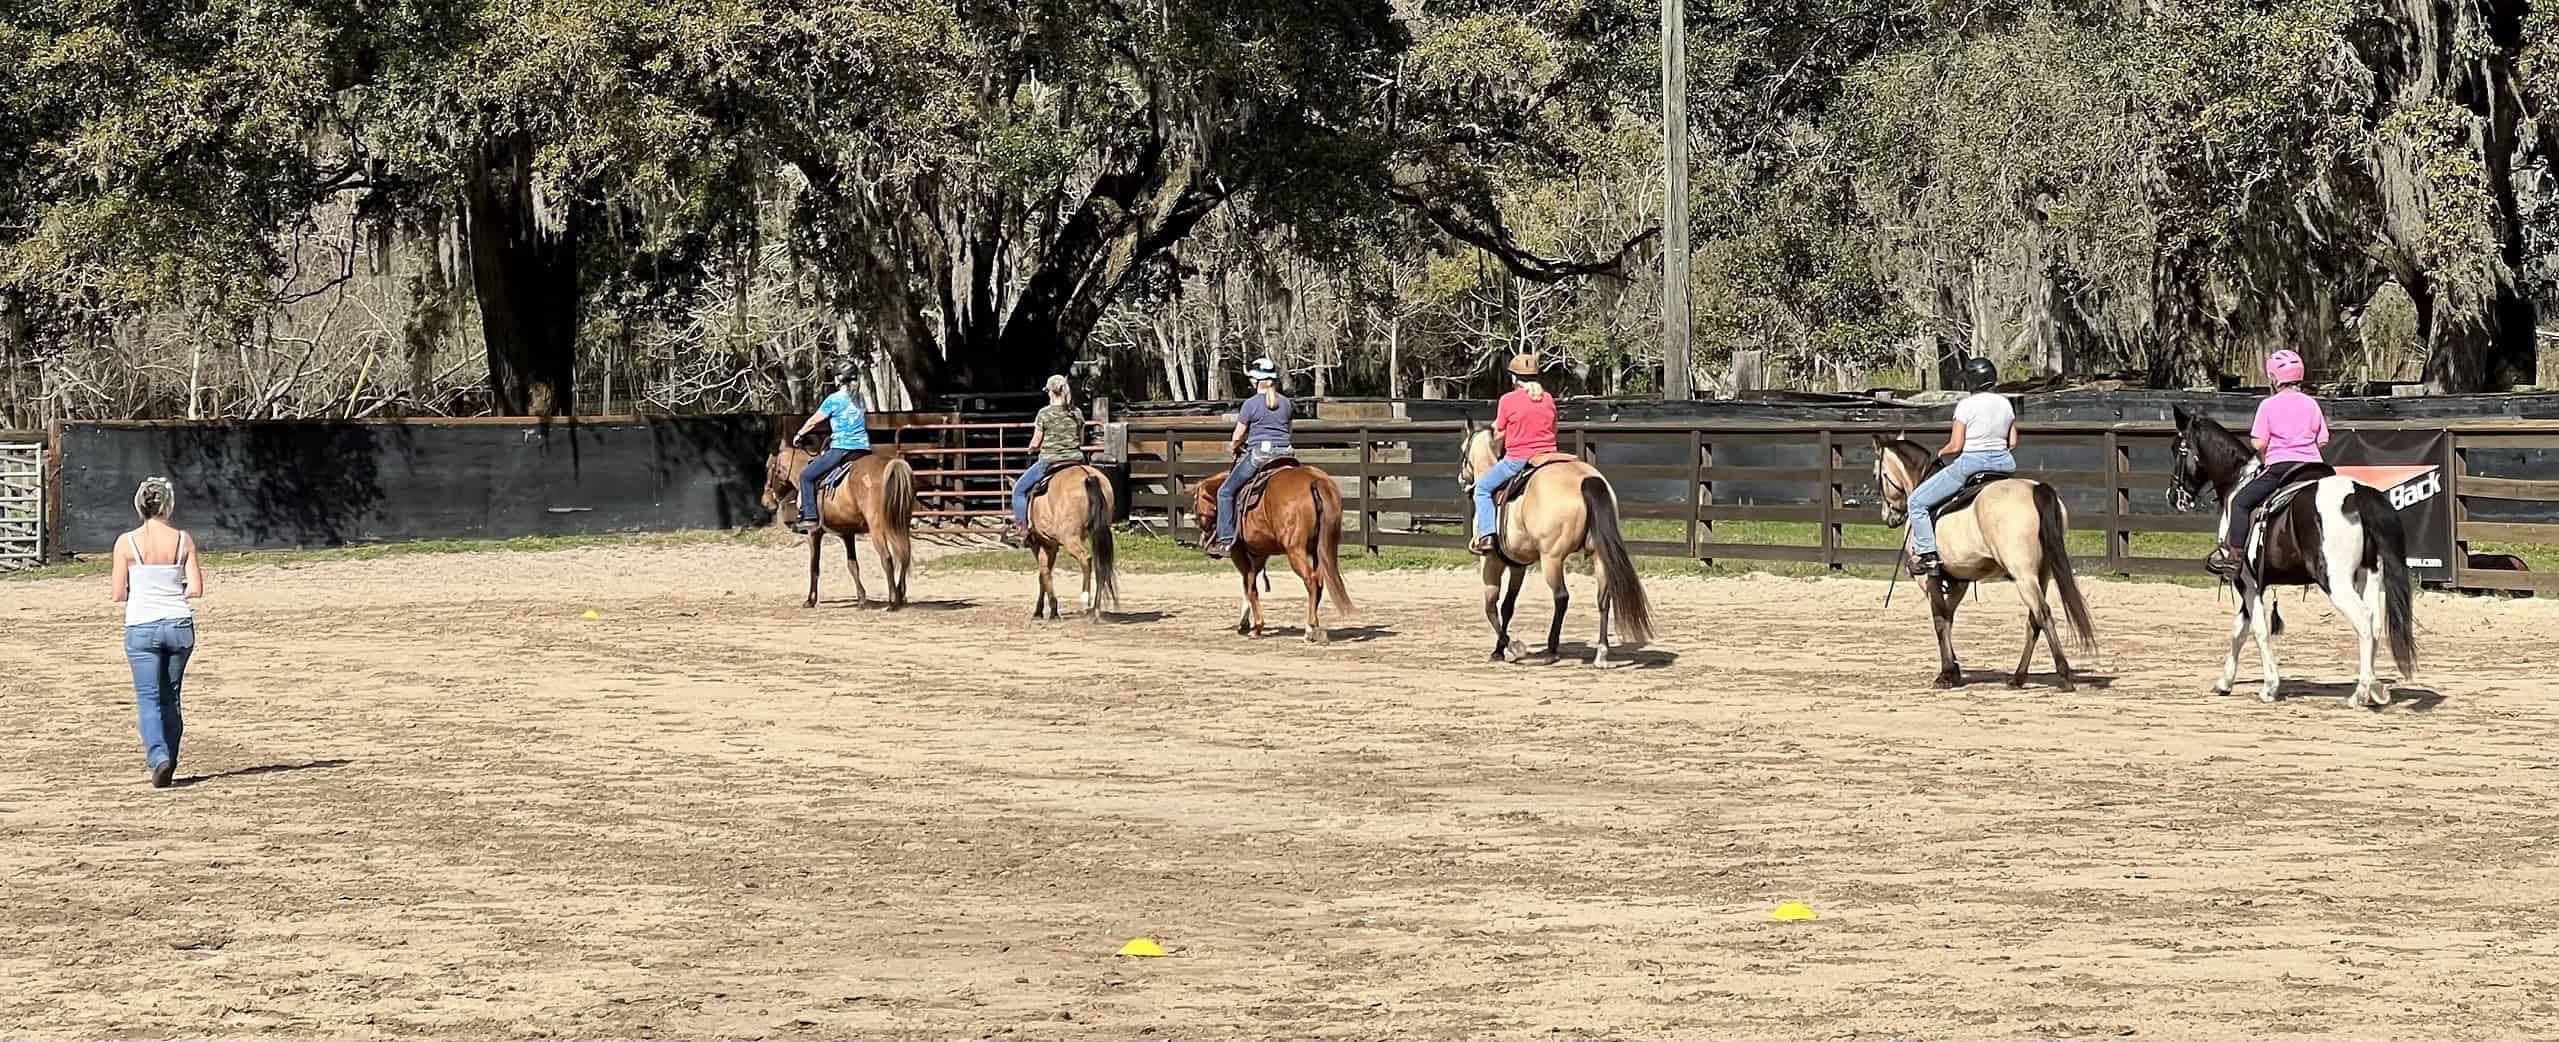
2380,695
2220,690
2065,687
1318,636
809,603
1949,681
2267,696
1604,662
2016,682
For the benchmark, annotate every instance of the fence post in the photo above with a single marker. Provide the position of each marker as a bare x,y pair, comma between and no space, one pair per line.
1367,493
1705,499
1696,480
1173,481
2454,464
1830,499
2119,493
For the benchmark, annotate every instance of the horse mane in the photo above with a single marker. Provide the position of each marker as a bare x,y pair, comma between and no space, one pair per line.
2224,455
1913,456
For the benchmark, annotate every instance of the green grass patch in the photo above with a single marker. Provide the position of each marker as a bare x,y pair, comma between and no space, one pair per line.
217,560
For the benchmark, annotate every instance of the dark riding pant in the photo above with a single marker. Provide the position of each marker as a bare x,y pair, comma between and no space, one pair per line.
2245,500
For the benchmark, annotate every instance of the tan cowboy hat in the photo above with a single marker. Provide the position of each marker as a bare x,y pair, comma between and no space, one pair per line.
1524,365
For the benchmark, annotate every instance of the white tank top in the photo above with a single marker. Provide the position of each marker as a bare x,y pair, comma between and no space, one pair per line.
156,592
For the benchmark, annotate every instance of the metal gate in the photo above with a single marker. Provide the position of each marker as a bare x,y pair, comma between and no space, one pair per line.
21,505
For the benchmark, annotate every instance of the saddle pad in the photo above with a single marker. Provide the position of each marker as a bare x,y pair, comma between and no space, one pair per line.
2300,479
1972,487
1040,488
1250,495
1511,489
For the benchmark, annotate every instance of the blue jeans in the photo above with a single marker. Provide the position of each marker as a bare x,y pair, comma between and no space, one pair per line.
1938,489
1022,492
816,470
1486,484
1245,466
158,653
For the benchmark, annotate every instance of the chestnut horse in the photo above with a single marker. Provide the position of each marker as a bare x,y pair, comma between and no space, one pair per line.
1299,516
1073,513
877,498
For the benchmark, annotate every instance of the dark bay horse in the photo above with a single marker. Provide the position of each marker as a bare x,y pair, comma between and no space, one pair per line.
1073,513
1566,509
877,498
2013,529
1299,517
2339,536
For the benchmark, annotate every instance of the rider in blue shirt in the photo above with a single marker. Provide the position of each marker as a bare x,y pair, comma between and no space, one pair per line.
1261,435
849,436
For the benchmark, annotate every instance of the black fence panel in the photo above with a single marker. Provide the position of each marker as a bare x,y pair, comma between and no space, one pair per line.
326,483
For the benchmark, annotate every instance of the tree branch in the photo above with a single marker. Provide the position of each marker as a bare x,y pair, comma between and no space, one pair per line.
1480,225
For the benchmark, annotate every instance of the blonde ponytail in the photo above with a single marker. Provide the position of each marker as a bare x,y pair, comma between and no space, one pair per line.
1536,391
1270,396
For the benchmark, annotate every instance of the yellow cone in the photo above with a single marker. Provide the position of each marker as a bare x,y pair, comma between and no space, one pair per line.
1792,912
1143,947
590,615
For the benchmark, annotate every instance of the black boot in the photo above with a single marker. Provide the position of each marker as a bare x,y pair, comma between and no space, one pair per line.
1927,566
2223,561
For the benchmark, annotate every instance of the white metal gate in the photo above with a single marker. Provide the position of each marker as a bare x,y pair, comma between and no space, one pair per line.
21,505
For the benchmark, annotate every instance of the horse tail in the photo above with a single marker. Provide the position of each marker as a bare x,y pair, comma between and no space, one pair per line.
897,496
2385,538
1097,520
2052,523
1625,592
1327,546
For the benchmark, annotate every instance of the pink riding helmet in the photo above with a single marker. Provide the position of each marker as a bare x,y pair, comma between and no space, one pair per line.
2285,367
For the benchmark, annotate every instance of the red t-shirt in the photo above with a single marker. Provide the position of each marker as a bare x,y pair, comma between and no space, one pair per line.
1527,425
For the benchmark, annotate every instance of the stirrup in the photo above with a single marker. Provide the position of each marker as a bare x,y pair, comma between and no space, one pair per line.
803,526
2222,561
1927,565
1484,545
1218,548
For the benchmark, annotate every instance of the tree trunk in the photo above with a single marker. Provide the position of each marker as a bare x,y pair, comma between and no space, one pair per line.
524,267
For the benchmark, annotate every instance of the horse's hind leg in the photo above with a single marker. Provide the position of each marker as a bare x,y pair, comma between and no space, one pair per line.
853,564
2342,592
1553,566
1041,601
892,566
1251,625
2039,624
1309,570
2379,630
817,552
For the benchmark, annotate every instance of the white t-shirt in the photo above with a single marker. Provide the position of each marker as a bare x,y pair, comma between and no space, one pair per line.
1986,418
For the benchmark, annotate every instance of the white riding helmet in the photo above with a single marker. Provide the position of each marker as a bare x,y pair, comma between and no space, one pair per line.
1262,369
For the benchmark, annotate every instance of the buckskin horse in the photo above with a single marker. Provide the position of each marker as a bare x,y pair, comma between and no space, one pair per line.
1071,511
2010,528
2325,530
1297,514
875,496
1561,507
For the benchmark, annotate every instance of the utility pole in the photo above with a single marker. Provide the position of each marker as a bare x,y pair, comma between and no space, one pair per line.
1674,201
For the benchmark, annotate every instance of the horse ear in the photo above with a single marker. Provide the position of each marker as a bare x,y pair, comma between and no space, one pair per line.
2185,420
1881,441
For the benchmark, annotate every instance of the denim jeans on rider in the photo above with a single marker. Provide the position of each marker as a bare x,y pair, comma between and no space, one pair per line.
158,652
1022,492
1236,479
1486,518
1941,487
811,474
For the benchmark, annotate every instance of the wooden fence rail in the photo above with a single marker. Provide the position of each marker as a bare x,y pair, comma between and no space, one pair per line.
1399,477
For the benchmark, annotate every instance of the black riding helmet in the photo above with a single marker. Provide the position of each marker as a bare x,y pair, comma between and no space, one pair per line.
1980,374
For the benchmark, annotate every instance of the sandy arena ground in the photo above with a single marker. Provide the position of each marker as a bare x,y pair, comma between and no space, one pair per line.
427,799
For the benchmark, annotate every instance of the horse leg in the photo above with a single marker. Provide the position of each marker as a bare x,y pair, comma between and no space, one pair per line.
1304,564
1250,569
1493,568
817,550
1089,588
1599,652
2343,592
2238,640
853,564
2373,611
2039,623
1553,566
1945,596
1515,650
1046,594
2265,626
891,567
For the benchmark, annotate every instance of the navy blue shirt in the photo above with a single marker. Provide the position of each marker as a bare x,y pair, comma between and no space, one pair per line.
1264,423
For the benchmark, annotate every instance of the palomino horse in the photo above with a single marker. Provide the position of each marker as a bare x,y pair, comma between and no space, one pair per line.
1299,516
2337,535
1567,508
1073,513
2013,529
877,497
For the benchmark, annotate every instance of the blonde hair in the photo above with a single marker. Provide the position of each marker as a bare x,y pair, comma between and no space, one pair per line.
1536,391
1058,389
156,498
1270,394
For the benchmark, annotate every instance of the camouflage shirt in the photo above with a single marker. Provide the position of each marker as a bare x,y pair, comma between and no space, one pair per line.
1061,434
